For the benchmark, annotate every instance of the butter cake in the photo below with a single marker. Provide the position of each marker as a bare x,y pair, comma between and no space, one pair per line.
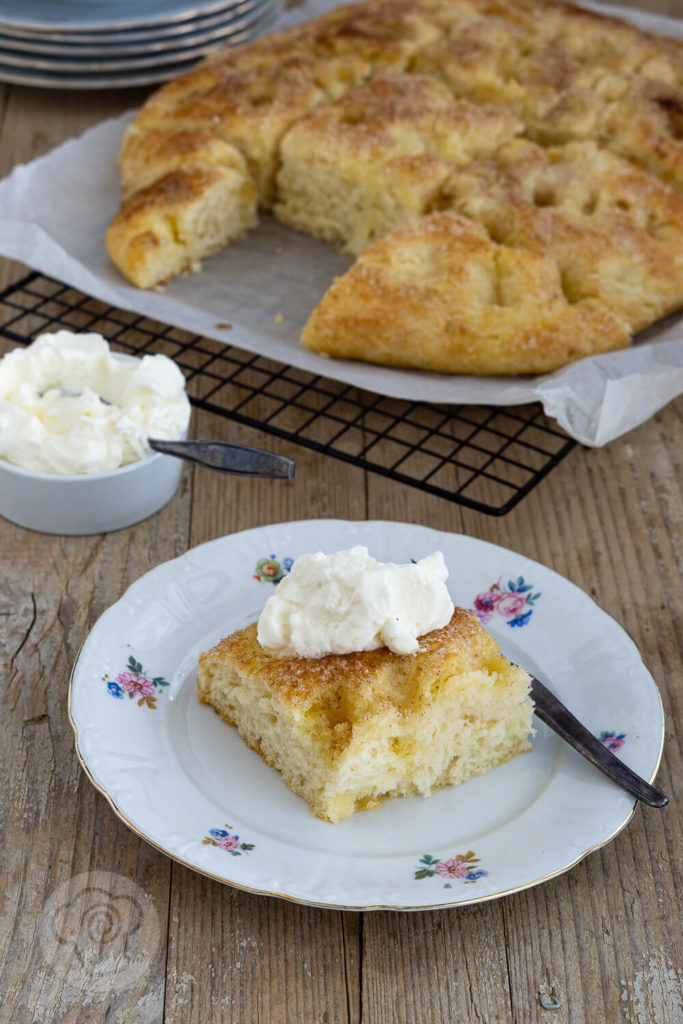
615,232
440,295
381,113
186,195
347,732
353,170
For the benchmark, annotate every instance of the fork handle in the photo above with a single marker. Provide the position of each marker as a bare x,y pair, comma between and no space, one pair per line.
560,719
238,459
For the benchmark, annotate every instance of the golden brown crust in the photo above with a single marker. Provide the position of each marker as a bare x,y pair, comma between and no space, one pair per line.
645,124
572,74
355,680
615,232
251,95
438,294
353,170
185,215
148,156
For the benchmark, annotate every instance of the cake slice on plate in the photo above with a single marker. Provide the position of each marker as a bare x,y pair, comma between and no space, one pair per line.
348,731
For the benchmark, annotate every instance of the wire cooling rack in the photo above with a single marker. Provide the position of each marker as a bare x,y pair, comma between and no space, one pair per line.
485,457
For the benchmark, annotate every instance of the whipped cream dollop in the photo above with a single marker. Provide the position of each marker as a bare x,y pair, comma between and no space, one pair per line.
337,604
44,429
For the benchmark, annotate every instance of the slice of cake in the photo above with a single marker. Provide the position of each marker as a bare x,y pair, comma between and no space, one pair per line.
354,170
186,196
439,294
348,731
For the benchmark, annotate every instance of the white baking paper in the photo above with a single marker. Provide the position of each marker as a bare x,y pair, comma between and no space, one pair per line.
55,210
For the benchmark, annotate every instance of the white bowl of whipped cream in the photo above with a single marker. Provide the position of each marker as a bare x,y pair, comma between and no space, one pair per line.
74,423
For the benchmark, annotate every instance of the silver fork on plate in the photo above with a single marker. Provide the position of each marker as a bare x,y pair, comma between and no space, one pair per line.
560,719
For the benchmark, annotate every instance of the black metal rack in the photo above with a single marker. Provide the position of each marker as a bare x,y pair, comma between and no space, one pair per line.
485,457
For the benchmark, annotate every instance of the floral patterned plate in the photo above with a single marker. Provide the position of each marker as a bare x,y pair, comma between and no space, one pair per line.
184,780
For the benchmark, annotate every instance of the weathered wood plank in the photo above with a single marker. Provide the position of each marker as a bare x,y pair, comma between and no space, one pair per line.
55,826
238,957
436,966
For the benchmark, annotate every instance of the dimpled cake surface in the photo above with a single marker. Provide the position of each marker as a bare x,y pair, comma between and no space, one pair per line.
347,732
555,131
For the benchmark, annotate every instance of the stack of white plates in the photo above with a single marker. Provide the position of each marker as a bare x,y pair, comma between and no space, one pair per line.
96,44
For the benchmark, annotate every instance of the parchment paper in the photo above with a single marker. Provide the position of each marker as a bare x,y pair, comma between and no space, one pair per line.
53,216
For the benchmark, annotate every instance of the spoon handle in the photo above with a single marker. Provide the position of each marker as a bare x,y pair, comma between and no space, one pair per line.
238,459
555,715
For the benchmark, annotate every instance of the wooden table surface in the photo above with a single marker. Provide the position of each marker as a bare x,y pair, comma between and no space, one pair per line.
604,939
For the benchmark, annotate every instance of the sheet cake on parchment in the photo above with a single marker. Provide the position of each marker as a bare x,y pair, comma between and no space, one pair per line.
556,132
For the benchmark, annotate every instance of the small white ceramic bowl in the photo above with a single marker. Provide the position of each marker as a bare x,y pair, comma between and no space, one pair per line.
72,504
75,504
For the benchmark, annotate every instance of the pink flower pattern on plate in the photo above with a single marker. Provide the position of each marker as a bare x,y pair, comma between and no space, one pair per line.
451,868
613,740
136,683
510,605
459,866
226,840
514,602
